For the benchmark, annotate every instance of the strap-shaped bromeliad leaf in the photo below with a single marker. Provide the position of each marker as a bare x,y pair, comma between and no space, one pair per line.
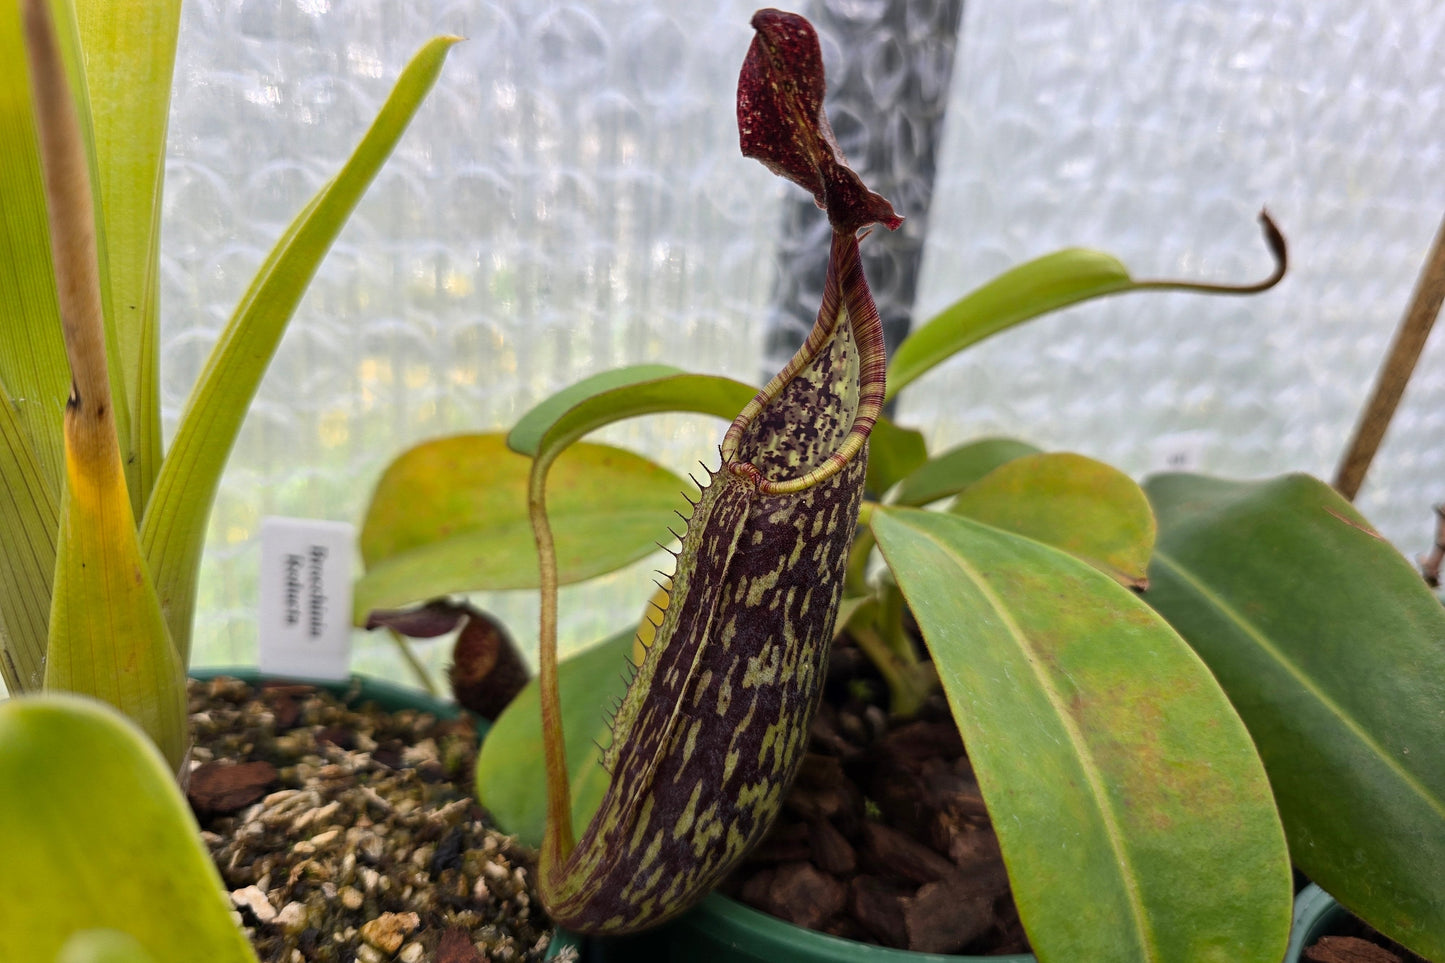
714,725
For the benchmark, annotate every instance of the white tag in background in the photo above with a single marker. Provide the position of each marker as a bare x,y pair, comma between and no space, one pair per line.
305,625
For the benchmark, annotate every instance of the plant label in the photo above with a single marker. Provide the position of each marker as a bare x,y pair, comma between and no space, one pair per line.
306,571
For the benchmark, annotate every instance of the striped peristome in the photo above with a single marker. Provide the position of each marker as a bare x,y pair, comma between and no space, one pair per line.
715,722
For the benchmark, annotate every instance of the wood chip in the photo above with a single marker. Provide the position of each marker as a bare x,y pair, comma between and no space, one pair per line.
916,741
941,918
951,790
224,787
877,904
831,851
755,890
1348,949
785,843
825,735
802,894
973,849
339,736
892,854
285,708
456,947
823,790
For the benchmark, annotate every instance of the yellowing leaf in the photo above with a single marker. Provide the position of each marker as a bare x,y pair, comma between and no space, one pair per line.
107,636
1082,506
956,469
29,522
450,515
33,369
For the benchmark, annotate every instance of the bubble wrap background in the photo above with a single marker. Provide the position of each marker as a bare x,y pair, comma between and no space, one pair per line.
1156,131
571,199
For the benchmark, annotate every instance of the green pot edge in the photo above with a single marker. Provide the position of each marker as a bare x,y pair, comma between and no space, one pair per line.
562,940
389,696
719,925
1315,914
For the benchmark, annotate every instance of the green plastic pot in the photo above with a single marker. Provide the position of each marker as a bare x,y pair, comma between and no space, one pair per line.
1316,914
721,930
564,941
386,695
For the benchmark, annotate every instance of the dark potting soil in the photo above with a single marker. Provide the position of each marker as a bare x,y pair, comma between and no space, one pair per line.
884,838
351,836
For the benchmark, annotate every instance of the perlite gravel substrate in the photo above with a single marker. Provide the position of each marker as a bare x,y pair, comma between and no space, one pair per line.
360,842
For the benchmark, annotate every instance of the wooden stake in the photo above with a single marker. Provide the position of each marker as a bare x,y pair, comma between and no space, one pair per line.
1395,374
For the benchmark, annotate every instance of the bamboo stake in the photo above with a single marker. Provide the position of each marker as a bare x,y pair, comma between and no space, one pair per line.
1395,373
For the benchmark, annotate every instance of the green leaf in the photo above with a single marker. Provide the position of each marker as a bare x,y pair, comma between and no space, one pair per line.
511,783
956,469
1330,646
450,515
174,528
34,372
1133,813
893,452
103,946
130,52
29,525
527,433
618,395
1085,507
97,836
1043,285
